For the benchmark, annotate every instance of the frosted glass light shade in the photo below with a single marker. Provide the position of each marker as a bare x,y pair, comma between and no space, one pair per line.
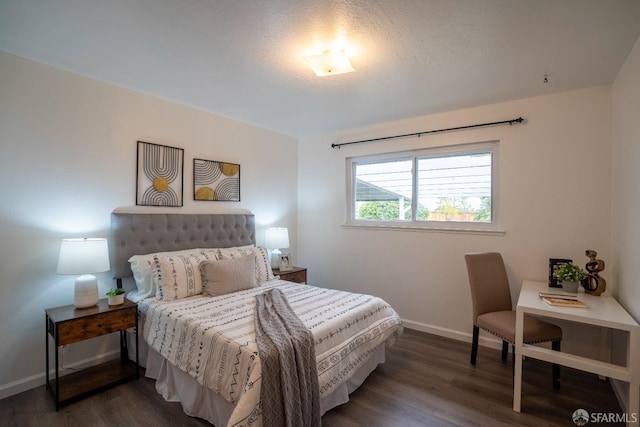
84,256
276,238
329,63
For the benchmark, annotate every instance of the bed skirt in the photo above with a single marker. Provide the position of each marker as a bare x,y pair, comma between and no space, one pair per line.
176,385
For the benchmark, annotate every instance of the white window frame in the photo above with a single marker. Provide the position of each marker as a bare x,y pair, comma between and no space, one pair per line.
492,227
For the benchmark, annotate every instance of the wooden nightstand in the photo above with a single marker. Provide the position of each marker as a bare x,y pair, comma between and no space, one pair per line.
67,325
298,274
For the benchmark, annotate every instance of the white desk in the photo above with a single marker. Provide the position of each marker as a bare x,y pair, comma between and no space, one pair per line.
603,311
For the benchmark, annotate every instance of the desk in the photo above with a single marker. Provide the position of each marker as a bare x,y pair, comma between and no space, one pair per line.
603,311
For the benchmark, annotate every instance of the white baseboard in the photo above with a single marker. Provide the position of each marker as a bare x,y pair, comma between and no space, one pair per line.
37,380
485,341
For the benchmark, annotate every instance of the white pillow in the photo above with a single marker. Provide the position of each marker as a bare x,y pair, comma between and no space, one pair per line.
143,267
228,275
263,265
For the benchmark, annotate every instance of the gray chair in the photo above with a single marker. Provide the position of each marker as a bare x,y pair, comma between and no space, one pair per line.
492,309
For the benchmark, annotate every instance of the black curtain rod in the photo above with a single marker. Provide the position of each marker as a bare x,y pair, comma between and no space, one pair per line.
418,134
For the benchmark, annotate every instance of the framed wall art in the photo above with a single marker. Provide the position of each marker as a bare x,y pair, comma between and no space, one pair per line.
216,181
554,264
159,175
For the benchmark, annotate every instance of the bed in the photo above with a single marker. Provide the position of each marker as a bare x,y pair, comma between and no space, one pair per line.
201,349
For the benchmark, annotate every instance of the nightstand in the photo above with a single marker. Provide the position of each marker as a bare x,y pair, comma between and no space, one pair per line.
297,274
68,324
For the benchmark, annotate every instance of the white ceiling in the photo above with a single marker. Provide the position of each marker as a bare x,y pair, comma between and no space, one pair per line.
243,59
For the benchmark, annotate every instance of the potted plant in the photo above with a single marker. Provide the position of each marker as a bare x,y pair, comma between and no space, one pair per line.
570,275
116,296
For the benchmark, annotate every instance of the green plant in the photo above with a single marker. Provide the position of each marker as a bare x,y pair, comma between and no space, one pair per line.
115,291
570,273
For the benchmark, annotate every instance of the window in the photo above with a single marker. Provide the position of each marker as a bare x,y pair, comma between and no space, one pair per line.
450,188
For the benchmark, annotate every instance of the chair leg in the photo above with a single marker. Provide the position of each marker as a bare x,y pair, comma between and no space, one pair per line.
505,350
555,368
474,344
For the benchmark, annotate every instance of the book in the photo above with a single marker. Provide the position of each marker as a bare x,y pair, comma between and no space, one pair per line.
561,295
561,302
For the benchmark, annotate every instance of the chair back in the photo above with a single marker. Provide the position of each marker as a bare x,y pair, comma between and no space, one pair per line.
489,283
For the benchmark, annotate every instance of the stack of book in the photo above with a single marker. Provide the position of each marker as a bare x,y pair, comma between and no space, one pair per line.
562,299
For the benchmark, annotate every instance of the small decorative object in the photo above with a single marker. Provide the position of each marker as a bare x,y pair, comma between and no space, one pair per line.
554,264
159,175
594,284
216,181
285,262
84,257
570,274
116,296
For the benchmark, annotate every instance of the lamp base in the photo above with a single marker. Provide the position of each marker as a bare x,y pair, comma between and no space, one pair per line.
275,258
86,292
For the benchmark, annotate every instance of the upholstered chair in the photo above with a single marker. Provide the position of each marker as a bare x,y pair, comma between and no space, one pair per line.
493,312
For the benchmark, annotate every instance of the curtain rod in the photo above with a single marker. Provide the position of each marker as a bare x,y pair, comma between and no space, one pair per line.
418,134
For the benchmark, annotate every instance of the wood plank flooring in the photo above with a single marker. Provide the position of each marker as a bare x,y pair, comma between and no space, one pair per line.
426,381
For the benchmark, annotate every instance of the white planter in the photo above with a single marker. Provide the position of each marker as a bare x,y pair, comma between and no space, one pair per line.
116,300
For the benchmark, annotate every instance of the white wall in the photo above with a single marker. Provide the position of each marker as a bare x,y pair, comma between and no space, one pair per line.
626,176
554,197
69,158
625,194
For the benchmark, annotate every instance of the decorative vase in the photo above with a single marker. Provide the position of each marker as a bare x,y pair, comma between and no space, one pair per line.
571,287
116,299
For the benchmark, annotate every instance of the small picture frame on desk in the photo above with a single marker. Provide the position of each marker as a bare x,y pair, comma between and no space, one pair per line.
285,262
554,264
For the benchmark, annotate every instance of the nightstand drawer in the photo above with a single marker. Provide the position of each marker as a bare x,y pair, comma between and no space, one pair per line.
93,326
297,274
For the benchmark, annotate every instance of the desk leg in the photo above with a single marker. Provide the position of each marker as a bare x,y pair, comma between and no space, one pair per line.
605,347
633,349
517,383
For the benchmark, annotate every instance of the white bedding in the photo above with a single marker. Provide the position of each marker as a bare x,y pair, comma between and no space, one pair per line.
212,339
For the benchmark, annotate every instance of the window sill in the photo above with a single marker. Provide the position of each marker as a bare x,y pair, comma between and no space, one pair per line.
407,227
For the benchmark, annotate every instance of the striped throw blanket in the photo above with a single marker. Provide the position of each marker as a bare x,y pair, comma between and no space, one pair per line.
290,396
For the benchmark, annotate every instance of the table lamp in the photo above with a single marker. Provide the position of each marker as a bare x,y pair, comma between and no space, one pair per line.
276,238
84,256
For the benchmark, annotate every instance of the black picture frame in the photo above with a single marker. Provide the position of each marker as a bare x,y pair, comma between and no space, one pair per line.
216,181
554,264
159,175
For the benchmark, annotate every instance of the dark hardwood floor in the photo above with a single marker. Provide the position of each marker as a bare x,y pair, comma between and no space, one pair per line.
426,381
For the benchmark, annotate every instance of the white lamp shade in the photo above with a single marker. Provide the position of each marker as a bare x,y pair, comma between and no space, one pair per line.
276,238
82,256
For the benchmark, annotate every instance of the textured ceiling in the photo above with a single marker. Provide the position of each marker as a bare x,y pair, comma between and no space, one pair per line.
243,59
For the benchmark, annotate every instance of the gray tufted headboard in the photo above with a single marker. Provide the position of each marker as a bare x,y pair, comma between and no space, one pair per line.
141,233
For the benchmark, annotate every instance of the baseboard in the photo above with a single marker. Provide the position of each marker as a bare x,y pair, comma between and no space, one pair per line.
485,341
37,380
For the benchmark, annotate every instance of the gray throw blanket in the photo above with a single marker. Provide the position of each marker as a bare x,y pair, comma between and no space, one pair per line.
289,395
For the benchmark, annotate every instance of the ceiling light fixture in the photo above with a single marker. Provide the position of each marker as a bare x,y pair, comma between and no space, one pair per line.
329,63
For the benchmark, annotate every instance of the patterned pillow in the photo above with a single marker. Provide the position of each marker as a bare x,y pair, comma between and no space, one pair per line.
177,276
263,265
228,275
144,267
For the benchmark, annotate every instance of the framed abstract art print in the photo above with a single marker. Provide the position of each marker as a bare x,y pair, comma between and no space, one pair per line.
216,181
159,175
